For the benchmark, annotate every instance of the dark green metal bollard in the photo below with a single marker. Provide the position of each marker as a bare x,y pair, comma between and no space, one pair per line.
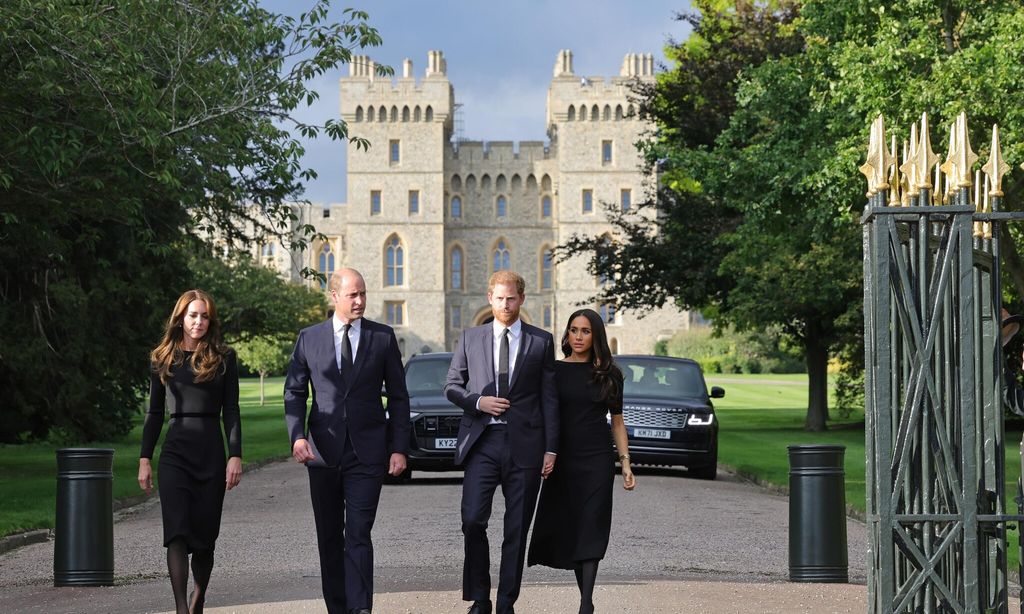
817,514
83,551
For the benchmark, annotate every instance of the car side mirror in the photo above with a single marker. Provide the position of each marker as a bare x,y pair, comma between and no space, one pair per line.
717,392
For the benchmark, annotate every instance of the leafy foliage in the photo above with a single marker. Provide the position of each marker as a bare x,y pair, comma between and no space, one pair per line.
264,355
127,129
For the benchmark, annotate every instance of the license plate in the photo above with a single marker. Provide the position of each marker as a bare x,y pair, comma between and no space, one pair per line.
445,444
652,433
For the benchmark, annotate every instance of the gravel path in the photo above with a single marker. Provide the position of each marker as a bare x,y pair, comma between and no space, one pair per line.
678,544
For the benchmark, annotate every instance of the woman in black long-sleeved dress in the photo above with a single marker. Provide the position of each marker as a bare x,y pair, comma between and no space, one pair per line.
196,377
574,515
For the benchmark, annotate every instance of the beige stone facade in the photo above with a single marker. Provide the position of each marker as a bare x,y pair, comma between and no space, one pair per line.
427,218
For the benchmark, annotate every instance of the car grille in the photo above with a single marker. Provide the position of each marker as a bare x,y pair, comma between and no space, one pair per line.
639,415
437,426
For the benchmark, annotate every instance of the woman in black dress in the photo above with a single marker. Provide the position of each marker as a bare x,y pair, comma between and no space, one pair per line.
197,377
574,516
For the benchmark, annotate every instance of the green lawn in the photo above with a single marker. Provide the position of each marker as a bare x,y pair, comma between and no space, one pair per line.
28,472
763,414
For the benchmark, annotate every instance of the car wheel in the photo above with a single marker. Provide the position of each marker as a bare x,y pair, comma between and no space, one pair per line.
707,472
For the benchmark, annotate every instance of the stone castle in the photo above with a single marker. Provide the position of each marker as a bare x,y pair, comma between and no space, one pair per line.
428,217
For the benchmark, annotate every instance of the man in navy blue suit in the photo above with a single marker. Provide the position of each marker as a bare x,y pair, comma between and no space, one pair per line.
348,441
502,375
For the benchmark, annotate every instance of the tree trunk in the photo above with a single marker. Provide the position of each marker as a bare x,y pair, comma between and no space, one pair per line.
263,374
817,375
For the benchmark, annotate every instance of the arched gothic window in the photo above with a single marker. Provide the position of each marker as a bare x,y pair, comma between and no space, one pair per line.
394,262
545,206
455,269
325,264
502,260
456,207
547,266
501,206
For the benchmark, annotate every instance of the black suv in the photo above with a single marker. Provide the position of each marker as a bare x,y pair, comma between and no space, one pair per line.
669,415
435,421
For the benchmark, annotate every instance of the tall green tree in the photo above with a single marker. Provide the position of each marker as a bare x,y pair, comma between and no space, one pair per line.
127,129
264,355
764,118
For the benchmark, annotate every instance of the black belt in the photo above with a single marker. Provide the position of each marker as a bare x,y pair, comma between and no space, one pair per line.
194,414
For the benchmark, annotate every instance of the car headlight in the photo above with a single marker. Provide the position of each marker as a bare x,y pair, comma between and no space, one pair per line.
701,419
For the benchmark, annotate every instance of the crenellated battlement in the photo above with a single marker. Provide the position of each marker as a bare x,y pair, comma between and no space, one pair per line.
499,152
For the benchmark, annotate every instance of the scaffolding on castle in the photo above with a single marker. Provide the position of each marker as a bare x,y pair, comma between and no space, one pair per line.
936,502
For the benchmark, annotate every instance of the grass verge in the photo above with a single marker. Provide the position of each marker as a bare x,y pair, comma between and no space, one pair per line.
28,472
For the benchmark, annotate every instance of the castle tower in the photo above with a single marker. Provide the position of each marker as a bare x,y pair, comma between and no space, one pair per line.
395,201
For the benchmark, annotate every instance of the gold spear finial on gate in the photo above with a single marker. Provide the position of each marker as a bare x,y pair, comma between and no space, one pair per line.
895,182
965,156
949,167
996,166
924,157
909,167
868,168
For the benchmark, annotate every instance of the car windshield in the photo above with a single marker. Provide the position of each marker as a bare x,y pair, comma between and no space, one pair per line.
426,377
661,379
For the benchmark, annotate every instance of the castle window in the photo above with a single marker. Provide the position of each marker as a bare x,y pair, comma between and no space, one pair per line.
394,262
394,151
417,114
429,115
456,316
359,113
606,152
595,113
394,313
502,259
588,201
501,206
405,114
583,112
607,311
394,113
456,208
455,269
325,264
572,113
267,250
607,113
383,114
618,111
547,319
545,206
546,268
369,114
375,202
326,212
625,199
630,112
414,202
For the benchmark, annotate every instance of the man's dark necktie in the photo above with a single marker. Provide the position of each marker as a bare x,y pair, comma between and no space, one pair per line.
503,366
346,353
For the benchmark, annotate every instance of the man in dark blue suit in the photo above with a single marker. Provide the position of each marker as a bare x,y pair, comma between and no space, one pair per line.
502,375
348,441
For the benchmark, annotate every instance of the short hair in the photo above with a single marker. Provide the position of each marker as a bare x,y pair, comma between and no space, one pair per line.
507,278
334,282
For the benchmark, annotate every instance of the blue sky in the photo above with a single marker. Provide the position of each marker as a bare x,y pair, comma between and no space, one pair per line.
500,57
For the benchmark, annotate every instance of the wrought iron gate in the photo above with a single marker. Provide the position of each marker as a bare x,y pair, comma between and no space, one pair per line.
936,505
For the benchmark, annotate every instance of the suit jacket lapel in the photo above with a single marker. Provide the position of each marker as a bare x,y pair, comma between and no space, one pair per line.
487,340
525,339
361,353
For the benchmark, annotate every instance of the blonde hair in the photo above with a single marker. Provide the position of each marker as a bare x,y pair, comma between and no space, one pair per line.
208,358
507,278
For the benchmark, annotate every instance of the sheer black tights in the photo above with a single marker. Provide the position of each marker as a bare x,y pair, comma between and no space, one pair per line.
177,568
586,576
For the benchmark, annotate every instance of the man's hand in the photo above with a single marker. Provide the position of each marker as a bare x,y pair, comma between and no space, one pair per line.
301,451
494,406
397,464
549,465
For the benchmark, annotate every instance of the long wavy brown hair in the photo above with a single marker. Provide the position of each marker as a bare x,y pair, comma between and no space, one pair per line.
208,357
604,372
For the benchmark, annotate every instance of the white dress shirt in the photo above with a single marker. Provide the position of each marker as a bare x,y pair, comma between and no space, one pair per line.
515,334
353,338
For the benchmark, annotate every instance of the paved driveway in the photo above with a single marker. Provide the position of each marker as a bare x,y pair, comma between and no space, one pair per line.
677,544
